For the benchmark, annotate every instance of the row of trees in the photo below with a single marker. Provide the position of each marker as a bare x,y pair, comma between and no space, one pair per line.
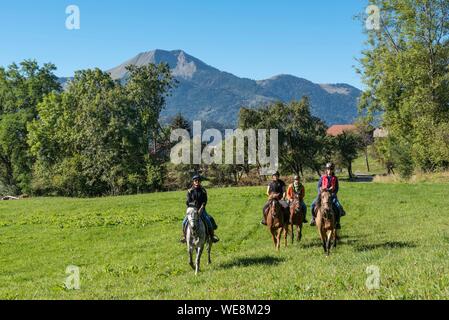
303,140
406,71
304,146
96,137
102,137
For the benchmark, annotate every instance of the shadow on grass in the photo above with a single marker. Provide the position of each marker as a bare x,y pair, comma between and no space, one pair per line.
248,262
389,245
343,240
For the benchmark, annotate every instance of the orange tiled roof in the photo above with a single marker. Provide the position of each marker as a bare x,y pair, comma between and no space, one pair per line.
340,129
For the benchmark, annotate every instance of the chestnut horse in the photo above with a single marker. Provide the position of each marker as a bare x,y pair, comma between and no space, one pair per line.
277,220
325,221
296,218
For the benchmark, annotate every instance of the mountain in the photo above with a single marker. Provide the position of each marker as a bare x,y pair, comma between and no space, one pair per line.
208,94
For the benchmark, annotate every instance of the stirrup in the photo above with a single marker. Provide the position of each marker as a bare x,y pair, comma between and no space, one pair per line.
215,239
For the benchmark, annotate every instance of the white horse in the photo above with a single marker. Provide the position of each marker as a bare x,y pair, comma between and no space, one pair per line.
197,237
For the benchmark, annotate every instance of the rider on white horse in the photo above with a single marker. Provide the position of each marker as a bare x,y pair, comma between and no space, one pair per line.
197,198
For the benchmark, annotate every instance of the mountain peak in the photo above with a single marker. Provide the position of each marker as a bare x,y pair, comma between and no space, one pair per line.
181,63
208,94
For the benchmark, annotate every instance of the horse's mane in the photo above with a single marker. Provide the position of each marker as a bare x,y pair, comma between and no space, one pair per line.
318,203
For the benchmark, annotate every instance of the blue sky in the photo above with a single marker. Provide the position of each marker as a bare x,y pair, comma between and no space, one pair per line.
257,39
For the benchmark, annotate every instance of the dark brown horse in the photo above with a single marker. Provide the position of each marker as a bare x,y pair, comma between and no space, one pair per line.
325,221
296,218
277,220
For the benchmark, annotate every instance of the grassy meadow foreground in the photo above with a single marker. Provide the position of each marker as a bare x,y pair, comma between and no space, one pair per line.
127,248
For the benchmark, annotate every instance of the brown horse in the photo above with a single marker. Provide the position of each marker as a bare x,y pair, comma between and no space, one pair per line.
296,218
325,221
277,220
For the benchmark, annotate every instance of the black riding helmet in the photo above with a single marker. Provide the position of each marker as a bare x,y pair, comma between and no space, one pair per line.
196,177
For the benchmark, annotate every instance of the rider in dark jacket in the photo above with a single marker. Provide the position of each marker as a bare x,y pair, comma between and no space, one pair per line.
277,186
197,198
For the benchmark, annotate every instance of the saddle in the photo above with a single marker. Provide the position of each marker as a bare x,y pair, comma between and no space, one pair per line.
208,231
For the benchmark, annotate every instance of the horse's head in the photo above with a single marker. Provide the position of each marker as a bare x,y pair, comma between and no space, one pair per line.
296,203
326,202
193,216
275,207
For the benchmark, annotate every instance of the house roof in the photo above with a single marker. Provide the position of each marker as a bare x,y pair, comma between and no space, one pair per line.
339,129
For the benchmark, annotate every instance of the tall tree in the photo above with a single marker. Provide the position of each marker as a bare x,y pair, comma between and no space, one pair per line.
148,87
346,148
302,137
22,88
93,138
405,69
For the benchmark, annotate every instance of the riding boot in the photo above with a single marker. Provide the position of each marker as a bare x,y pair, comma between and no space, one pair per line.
337,222
214,238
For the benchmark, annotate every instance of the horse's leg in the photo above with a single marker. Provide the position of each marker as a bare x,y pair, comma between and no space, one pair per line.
209,249
321,232
323,239
293,234
301,224
198,258
191,257
273,235
324,245
277,236
329,242
335,238
285,230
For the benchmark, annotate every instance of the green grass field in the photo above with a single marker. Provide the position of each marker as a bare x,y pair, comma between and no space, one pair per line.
126,248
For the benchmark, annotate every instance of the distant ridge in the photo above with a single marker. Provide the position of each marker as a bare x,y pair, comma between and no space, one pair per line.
208,94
